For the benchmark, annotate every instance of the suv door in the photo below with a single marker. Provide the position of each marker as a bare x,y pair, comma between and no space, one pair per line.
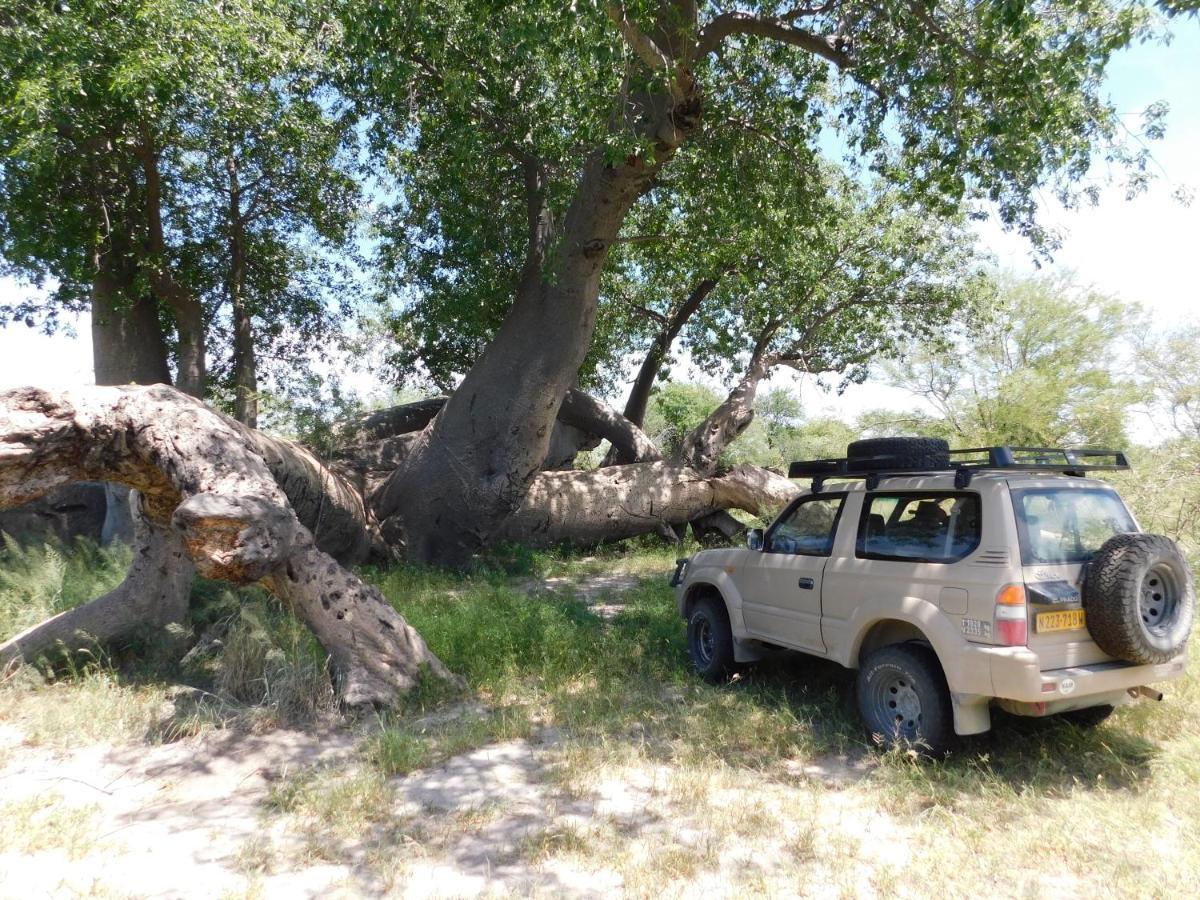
781,586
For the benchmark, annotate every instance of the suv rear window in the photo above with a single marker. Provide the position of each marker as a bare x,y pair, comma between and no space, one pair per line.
1067,525
936,527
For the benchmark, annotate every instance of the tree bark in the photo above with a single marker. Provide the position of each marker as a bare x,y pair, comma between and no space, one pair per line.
245,365
394,420
471,469
190,359
702,447
616,502
127,339
244,507
639,394
582,419
128,347
153,596
586,413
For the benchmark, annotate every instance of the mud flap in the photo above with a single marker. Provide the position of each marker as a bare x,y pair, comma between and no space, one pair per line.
747,651
972,714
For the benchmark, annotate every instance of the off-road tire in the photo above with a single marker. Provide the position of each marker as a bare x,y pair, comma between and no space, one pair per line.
901,453
1089,717
1140,598
710,640
888,681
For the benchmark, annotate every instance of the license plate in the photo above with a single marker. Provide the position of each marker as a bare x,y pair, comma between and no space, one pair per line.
1065,620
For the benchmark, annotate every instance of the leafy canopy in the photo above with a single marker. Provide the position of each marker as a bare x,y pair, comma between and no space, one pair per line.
1044,364
95,87
944,103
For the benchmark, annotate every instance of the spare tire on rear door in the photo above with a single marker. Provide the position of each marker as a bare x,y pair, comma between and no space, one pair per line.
900,454
1139,598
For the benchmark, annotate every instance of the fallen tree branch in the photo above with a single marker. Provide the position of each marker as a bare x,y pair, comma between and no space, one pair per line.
617,502
231,498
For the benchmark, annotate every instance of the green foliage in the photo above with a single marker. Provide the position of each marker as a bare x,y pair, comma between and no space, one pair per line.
675,409
1170,364
816,273
480,108
1164,492
779,434
1041,366
38,581
230,105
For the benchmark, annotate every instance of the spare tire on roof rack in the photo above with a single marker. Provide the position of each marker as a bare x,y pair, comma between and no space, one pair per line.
899,454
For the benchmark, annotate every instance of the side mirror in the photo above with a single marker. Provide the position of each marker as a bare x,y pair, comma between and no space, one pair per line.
754,538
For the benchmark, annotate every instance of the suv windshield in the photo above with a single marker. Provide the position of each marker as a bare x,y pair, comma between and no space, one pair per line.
1065,525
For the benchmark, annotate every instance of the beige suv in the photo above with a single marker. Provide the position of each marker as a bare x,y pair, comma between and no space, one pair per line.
952,581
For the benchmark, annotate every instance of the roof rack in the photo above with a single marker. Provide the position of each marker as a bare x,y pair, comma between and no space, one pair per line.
964,464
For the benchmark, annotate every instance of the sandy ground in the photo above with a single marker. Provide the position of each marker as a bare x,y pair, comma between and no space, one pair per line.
190,819
195,818
200,818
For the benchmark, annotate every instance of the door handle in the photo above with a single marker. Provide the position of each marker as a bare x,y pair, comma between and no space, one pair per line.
807,584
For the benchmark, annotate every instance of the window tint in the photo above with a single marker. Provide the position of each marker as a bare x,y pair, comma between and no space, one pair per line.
1061,525
807,529
919,527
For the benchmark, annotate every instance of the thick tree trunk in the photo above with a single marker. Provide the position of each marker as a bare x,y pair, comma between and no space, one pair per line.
394,420
190,353
245,508
617,502
586,413
127,339
128,347
471,469
582,422
191,368
153,596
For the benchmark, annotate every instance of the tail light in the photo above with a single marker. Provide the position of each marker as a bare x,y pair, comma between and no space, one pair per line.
1012,616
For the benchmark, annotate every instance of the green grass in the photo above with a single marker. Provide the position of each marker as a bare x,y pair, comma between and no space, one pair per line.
1113,807
553,658
266,669
38,581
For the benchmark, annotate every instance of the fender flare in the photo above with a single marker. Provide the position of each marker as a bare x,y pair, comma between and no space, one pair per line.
936,629
716,579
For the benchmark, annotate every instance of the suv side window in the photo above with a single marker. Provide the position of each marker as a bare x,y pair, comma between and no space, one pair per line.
807,530
937,527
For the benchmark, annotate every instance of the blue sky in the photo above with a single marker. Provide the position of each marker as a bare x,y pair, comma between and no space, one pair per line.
1146,250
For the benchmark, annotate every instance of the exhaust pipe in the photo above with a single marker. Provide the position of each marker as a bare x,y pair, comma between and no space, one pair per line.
1148,692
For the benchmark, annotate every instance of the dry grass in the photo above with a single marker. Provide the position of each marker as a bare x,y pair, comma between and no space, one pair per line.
94,707
44,823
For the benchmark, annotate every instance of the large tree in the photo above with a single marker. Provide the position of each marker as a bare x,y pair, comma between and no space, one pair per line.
579,112
584,108
172,166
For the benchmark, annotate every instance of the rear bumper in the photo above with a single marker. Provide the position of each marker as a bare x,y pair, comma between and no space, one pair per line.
1016,675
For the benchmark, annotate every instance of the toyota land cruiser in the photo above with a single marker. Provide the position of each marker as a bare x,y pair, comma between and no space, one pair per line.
953,581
